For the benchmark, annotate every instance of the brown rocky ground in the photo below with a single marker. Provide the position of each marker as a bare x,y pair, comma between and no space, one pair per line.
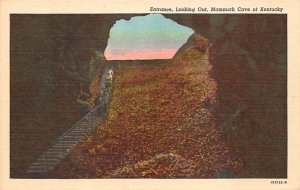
159,124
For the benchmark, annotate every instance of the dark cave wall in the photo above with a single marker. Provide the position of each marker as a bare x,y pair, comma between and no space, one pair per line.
250,67
50,64
248,52
250,63
249,58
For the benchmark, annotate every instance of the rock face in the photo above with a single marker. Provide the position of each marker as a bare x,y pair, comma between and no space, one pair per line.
52,53
176,164
54,59
249,58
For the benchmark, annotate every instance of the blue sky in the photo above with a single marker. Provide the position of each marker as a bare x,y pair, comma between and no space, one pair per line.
152,33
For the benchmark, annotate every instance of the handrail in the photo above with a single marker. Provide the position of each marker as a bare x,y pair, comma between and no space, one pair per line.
104,103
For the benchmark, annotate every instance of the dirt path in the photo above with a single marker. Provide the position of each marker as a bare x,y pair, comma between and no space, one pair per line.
159,125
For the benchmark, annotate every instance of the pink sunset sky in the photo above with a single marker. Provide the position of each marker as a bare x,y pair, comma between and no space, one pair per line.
145,37
142,54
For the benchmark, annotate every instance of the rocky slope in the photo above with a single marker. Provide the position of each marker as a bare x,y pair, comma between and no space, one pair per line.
159,124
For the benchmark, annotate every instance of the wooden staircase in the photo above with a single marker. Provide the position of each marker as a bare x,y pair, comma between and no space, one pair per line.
75,135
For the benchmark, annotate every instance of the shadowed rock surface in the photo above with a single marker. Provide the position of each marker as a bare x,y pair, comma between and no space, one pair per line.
249,58
55,62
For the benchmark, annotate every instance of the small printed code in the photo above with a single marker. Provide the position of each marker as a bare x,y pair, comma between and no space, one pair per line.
279,182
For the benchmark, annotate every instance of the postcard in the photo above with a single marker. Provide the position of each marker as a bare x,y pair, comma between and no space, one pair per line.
149,95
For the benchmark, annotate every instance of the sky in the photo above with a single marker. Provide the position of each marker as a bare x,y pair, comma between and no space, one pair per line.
146,37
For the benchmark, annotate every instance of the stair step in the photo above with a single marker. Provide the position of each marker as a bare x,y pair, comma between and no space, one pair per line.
41,167
73,135
46,160
60,148
47,154
79,130
85,124
66,141
70,138
44,166
55,154
37,171
50,158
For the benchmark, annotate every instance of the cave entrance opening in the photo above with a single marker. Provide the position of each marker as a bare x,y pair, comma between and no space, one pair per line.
148,37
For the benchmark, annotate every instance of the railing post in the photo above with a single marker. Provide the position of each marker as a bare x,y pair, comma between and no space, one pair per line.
91,121
60,147
76,134
45,165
